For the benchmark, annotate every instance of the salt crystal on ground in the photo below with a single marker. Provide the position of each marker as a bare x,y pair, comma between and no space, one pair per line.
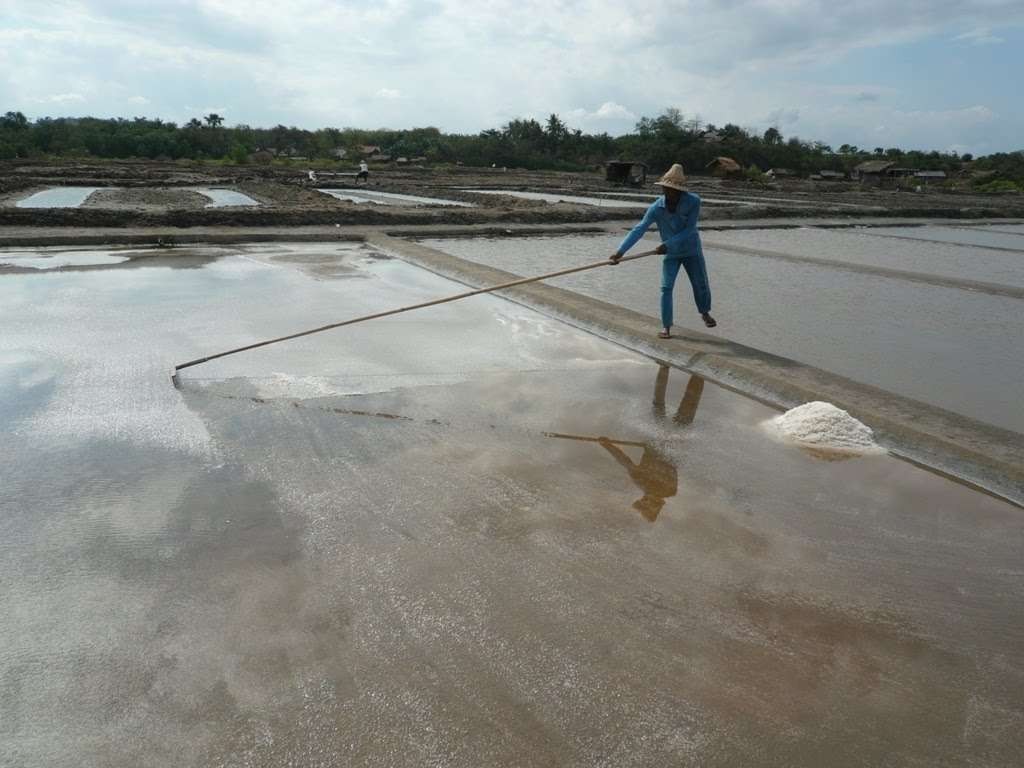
824,426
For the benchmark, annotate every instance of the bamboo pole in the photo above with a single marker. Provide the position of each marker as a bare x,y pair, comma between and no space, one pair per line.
386,313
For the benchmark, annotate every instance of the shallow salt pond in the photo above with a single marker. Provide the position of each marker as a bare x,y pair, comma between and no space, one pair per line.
863,246
560,198
391,198
875,329
970,236
58,197
55,259
223,198
369,545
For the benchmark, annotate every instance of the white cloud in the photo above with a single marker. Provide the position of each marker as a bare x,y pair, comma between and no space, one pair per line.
782,117
612,111
59,98
871,125
600,64
141,100
610,117
980,36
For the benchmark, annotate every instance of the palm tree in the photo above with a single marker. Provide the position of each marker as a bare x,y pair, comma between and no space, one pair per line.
214,120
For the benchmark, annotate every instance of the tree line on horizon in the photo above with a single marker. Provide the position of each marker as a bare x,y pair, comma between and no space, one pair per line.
522,143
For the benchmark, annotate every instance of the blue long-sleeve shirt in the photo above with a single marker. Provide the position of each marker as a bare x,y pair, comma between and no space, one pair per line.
678,230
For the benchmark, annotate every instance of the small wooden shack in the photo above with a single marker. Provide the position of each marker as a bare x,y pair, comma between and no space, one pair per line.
626,172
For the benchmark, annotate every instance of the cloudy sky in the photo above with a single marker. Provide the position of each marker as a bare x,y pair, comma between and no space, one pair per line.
935,74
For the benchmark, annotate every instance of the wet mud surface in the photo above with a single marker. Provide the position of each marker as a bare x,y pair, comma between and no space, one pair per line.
468,537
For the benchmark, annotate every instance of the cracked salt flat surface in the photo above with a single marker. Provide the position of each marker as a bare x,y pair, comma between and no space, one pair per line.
58,197
383,577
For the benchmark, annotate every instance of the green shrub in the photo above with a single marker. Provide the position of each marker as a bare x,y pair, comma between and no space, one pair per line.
999,185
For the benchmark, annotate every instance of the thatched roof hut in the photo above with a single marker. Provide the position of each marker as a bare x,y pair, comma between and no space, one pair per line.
724,166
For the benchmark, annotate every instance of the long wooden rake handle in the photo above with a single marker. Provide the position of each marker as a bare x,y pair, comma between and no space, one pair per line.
588,439
374,316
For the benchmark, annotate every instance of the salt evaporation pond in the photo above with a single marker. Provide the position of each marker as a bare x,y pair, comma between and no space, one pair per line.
976,236
391,198
58,197
860,246
952,348
37,259
224,198
371,545
559,198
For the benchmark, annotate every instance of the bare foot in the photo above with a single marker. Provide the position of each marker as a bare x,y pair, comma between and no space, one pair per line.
665,334
709,321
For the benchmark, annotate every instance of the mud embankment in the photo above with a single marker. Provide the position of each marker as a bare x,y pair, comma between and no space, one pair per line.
370,215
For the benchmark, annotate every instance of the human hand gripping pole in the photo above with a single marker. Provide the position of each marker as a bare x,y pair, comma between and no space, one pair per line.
476,292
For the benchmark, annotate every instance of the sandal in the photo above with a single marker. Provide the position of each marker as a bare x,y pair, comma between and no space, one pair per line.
664,335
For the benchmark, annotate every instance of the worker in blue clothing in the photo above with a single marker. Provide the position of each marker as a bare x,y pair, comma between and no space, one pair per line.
676,213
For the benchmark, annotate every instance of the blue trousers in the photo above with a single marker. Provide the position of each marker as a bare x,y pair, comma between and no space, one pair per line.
693,263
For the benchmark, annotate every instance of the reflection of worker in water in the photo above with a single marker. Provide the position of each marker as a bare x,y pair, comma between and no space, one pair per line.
655,474
364,172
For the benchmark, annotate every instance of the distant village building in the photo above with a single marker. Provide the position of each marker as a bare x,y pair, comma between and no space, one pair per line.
370,150
724,167
379,158
626,172
831,175
261,157
928,177
711,137
402,160
873,172
780,173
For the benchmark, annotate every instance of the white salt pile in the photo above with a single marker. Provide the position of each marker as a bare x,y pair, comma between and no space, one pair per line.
824,427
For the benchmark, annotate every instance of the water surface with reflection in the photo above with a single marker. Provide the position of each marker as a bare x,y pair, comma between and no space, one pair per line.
471,536
946,346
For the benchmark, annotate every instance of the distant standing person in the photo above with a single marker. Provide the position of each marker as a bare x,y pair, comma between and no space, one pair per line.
676,213
364,172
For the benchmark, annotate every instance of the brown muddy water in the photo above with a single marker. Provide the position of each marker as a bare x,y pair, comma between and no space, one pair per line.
403,543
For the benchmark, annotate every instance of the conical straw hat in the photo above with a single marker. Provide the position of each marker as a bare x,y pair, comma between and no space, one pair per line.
674,177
